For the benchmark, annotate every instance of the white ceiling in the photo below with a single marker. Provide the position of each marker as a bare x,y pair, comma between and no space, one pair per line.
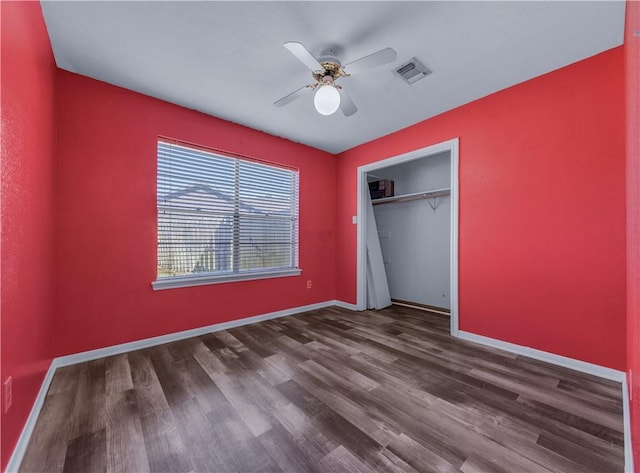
226,59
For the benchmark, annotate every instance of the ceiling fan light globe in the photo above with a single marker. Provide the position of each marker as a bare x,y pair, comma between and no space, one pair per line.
326,100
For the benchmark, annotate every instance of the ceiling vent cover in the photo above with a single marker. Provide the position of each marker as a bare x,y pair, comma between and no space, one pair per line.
412,71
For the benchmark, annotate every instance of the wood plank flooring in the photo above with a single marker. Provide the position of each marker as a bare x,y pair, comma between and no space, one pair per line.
327,391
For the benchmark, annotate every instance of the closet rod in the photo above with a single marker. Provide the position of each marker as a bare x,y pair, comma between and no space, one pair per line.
414,196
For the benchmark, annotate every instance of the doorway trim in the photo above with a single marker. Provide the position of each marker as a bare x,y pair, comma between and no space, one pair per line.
452,147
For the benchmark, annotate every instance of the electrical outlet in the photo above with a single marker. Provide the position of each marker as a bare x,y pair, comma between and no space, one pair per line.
7,393
309,284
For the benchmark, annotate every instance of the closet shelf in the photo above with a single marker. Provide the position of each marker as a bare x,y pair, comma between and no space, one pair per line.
413,196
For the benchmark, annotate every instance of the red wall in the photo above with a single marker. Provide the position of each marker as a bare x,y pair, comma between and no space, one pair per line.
632,50
106,223
27,209
542,210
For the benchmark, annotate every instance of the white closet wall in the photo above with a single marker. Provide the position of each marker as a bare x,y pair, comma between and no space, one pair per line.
415,239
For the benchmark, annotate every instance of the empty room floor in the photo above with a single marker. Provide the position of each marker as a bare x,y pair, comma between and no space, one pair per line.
327,391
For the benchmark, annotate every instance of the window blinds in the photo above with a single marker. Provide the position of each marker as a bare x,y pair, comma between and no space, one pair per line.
223,215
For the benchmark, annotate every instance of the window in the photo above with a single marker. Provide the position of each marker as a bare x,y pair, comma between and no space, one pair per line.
223,218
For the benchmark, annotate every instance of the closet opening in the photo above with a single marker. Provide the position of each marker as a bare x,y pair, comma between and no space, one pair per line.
408,231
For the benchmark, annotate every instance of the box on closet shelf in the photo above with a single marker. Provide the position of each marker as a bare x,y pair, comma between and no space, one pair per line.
381,189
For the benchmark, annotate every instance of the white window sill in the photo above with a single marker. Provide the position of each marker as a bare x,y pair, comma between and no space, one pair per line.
202,280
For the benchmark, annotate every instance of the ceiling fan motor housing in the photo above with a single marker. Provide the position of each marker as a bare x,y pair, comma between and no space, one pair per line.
333,70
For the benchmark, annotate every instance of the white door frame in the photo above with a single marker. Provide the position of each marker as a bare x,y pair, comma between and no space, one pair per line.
452,147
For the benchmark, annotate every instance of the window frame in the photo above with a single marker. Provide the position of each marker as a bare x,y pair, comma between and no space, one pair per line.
206,278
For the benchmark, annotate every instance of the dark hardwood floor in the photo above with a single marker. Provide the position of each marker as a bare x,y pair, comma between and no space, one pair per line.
327,391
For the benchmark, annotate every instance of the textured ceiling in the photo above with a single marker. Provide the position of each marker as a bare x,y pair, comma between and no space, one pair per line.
226,59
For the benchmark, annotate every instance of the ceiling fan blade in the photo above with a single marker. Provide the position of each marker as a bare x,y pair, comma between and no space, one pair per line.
346,104
378,58
299,51
292,96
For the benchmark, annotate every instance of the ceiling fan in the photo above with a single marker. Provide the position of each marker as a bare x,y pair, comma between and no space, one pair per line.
326,70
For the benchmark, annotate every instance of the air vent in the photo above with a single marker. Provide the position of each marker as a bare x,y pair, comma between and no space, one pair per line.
412,71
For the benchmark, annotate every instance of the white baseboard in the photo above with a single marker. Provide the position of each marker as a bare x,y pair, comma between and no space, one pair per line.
626,416
27,430
577,365
345,305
